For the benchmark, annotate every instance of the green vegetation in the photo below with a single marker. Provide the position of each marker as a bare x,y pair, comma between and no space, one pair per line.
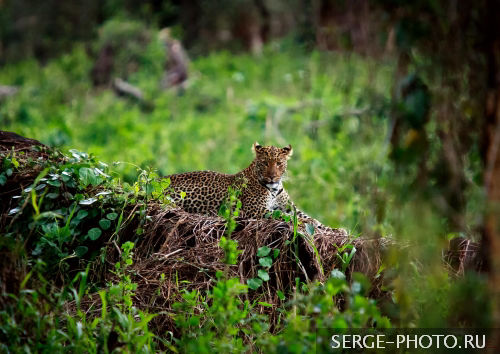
284,97
333,108
53,298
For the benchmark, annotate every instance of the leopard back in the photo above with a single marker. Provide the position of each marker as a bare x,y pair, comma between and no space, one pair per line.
261,186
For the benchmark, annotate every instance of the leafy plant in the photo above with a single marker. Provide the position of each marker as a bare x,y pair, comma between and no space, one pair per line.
345,256
51,328
265,261
9,165
230,210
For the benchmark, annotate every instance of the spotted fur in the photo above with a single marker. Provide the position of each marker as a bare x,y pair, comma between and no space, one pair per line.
260,183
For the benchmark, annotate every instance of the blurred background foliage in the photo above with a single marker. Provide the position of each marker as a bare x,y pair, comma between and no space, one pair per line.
387,104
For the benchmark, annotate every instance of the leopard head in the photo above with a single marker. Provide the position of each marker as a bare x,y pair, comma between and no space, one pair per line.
270,164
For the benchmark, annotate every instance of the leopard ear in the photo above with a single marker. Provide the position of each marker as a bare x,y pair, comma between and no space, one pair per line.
256,147
288,151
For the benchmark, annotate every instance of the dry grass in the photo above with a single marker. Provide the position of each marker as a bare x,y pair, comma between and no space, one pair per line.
185,248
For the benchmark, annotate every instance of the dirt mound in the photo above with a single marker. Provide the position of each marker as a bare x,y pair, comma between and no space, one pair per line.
185,248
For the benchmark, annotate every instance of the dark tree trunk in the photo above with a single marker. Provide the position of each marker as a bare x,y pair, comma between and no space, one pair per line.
491,159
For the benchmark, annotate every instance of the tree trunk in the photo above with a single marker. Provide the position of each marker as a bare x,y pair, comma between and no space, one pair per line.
491,158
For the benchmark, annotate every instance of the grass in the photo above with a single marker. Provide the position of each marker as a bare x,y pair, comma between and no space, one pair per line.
231,102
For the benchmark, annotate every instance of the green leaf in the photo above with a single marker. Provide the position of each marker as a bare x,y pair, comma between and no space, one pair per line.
266,262
281,295
254,283
337,274
81,250
276,253
88,176
94,233
165,183
263,274
14,211
85,175
82,214
156,186
3,179
104,224
310,229
88,201
40,186
15,162
112,216
55,183
266,304
263,251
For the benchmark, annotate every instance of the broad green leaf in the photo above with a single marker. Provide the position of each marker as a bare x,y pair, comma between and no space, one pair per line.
254,283
104,224
55,183
112,216
82,214
266,262
81,250
263,274
310,229
94,233
165,183
88,176
263,251
337,274
156,186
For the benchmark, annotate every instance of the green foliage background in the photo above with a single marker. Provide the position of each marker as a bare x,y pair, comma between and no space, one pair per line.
286,96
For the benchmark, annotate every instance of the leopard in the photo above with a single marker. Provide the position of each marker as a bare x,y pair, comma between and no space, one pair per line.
260,185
